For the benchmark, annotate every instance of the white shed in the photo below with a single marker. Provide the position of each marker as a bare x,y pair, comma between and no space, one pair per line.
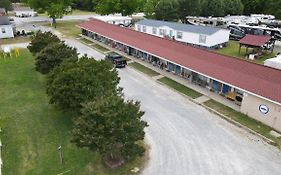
6,28
274,62
115,19
204,36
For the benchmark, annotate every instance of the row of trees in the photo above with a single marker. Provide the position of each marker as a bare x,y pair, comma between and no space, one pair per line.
172,10
262,6
105,122
169,10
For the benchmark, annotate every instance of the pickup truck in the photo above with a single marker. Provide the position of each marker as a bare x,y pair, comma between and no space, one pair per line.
116,59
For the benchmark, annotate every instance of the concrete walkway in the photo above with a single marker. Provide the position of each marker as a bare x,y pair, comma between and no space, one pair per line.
202,99
177,78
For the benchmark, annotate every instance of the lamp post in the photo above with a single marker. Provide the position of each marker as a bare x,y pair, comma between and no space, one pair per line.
60,154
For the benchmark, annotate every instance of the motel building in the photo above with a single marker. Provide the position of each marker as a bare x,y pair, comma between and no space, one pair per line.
255,89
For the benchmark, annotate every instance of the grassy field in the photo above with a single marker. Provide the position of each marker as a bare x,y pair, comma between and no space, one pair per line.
243,119
143,69
233,50
32,129
179,87
74,12
68,28
14,40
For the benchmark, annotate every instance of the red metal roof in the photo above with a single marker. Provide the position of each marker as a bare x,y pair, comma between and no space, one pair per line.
254,78
255,40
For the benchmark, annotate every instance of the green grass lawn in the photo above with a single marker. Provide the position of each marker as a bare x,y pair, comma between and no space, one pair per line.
179,87
68,28
100,48
32,129
81,12
74,12
86,41
243,119
15,40
233,50
143,69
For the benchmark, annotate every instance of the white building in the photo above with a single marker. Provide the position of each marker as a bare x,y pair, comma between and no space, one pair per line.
6,28
24,12
203,36
274,62
115,19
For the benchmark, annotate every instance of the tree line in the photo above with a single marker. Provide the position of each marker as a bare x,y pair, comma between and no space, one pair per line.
169,10
181,8
89,89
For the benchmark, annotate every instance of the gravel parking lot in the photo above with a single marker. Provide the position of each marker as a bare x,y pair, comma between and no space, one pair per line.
187,139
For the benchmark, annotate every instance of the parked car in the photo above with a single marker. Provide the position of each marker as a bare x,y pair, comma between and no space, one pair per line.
116,59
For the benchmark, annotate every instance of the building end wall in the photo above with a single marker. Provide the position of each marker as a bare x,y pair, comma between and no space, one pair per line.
262,110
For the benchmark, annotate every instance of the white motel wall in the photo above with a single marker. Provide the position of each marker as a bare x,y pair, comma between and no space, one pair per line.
262,110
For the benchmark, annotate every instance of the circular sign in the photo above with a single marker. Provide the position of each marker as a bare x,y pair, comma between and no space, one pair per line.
263,109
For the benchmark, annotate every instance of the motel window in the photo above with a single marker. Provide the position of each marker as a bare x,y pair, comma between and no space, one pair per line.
139,27
3,30
154,30
165,32
179,35
202,38
161,32
144,28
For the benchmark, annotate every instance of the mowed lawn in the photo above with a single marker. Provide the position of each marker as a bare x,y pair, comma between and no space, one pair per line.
68,28
32,129
233,50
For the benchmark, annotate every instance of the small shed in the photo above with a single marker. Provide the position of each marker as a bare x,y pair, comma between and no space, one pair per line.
257,42
6,28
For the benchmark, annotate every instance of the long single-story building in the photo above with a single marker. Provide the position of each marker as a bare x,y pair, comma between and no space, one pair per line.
203,36
115,19
255,88
24,12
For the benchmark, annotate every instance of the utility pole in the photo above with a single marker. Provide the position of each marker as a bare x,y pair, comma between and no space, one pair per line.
60,154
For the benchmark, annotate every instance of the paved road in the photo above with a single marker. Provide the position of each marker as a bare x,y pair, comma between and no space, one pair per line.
187,139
